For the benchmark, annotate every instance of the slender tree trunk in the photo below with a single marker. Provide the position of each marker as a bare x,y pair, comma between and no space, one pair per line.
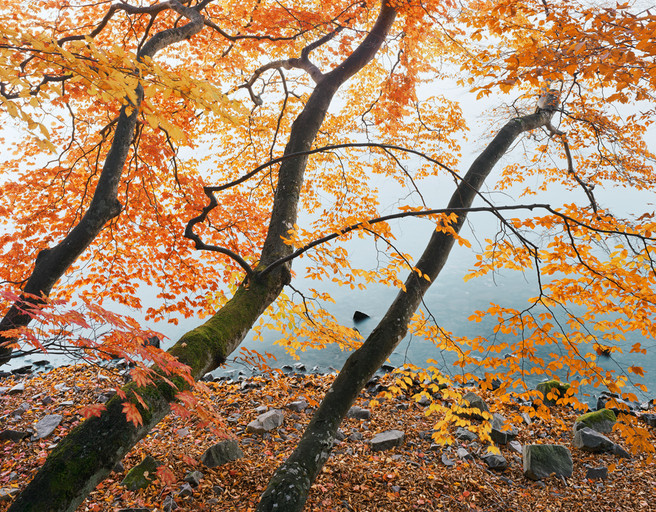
289,487
51,264
89,452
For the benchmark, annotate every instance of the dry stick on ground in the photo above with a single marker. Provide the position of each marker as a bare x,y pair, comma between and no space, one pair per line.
88,454
290,484
51,264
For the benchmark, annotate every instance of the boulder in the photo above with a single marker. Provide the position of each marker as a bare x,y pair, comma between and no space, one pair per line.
222,453
502,432
592,441
142,475
358,413
46,425
601,421
359,316
13,435
464,454
387,440
543,460
649,419
495,462
552,387
475,402
465,435
298,405
600,473
193,478
266,422
516,446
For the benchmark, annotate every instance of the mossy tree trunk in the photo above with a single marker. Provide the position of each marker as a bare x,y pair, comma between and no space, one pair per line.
89,452
289,487
51,264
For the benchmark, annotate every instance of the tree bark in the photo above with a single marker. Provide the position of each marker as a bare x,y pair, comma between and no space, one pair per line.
89,452
289,487
51,264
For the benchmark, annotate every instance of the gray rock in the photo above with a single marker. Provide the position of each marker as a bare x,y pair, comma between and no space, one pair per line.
298,406
502,432
266,422
592,441
142,475
601,421
387,440
261,409
118,467
185,490
473,401
46,425
356,436
516,446
649,419
222,453
18,388
495,462
13,435
358,413
424,401
193,478
600,473
620,452
169,504
465,435
46,400
447,461
543,460
464,454
133,509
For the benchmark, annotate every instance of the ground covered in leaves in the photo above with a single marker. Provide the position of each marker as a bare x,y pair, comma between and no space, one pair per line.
411,477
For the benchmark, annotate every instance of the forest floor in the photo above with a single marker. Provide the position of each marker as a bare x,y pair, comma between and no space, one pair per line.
406,478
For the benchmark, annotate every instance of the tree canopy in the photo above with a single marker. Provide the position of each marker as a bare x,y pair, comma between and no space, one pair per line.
201,147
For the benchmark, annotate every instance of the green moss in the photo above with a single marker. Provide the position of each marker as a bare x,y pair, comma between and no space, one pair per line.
545,388
602,414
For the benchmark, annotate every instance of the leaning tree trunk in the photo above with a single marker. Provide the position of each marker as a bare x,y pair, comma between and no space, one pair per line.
90,451
51,264
289,487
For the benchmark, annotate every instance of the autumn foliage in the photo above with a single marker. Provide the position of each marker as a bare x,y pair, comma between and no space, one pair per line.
213,115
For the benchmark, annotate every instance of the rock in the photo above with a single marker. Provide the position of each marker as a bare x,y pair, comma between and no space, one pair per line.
266,422
13,435
619,405
185,490
527,418
424,401
447,461
261,409
543,460
464,454
47,425
495,462
222,453
169,504
649,419
359,316
132,509
387,440
601,421
118,467
516,446
502,432
552,387
465,435
300,367
298,406
358,413
18,388
473,401
23,370
193,478
46,400
8,493
183,432
600,473
153,341
142,475
592,441
356,436
620,452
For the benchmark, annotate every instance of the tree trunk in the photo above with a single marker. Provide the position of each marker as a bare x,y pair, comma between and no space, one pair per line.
51,264
289,487
87,454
